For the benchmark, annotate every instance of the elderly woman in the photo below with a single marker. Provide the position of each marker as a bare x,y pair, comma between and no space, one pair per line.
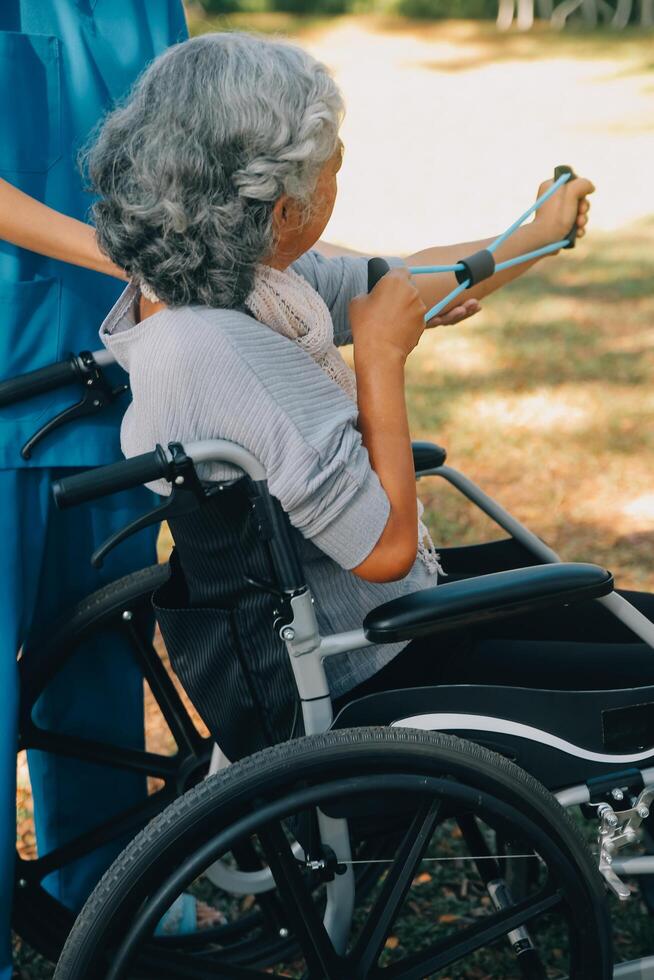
215,180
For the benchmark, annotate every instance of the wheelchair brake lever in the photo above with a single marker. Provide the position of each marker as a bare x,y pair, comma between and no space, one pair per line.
186,496
269,587
282,616
98,393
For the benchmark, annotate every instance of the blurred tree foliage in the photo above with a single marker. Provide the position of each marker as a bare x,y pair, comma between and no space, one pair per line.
426,9
617,14
220,6
328,7
435,9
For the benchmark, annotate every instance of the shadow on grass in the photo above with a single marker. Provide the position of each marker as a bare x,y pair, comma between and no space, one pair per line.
556,417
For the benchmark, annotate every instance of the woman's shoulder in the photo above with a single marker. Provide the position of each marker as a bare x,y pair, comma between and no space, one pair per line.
192,339
197,354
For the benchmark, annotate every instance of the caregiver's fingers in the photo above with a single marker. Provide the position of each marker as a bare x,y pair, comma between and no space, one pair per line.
457,314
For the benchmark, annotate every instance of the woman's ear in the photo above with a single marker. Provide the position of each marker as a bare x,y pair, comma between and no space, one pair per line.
281,212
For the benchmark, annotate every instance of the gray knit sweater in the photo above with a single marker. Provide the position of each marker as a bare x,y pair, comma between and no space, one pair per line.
200,373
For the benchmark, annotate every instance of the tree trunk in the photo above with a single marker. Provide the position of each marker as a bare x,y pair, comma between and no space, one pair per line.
622,14
589,12
525,14
562,12
505,15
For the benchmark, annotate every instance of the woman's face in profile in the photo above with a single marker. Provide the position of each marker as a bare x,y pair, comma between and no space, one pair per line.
296,233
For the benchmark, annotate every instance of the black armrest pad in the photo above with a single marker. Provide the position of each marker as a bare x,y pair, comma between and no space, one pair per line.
427,456
485,597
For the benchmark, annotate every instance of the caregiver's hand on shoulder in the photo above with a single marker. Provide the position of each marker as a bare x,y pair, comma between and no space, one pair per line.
567,206
390,319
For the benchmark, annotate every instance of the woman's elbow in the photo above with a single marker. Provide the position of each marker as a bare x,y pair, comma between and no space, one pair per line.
388,564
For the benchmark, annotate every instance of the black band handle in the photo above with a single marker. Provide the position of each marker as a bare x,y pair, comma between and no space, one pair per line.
103,480
36,382
377,269
476,268
558,172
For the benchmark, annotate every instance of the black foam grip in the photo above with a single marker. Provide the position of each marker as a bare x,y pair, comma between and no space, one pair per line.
103,480
377,269
558,172
36,382
476,267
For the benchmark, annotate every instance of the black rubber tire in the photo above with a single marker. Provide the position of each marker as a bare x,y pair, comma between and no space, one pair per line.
209,807
54,639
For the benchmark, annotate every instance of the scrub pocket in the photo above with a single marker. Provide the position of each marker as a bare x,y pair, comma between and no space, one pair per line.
245,696
29,338
30,120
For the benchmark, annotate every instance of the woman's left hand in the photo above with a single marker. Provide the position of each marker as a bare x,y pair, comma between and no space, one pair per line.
456,315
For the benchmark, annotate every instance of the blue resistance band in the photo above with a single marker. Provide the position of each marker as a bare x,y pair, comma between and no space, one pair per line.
462,269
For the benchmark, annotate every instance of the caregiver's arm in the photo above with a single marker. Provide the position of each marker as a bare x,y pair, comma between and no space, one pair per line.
551,223
30,224
386,326
464,307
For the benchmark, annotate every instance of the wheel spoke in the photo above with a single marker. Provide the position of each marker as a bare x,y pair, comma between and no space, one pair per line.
165,694
488,870
115,756
322,960
380,920
452,948
247,859
104,833
531,966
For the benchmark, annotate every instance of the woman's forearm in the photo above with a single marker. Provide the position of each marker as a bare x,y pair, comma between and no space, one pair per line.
385,432
433,287
30,224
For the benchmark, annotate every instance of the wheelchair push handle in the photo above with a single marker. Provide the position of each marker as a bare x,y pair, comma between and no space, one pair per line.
104,480
37,382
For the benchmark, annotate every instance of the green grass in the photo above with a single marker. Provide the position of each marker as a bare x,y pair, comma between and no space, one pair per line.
548,400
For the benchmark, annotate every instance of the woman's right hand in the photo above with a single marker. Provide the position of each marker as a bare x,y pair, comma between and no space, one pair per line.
389,319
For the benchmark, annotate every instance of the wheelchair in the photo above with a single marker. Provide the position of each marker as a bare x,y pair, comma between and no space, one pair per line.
307,845
328,832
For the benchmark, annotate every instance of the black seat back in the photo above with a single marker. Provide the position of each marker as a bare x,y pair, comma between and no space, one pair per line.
218,628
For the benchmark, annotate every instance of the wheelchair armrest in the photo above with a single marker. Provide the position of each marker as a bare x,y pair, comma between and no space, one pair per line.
427,456
485,597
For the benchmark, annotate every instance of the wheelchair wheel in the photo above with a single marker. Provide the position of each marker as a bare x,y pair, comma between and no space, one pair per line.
120,608
123,608
438,799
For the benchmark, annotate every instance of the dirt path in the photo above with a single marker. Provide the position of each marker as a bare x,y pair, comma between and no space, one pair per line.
466,124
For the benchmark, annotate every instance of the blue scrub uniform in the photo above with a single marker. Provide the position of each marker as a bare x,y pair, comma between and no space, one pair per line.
63,64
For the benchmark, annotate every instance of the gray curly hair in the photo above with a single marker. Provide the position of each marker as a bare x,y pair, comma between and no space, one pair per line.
188,169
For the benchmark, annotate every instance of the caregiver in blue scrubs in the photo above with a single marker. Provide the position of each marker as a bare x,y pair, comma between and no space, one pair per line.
63,64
